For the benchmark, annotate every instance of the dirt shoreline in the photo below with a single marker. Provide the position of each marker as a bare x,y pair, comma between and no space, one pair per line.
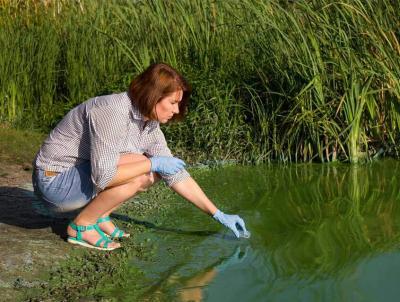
30,244
36,262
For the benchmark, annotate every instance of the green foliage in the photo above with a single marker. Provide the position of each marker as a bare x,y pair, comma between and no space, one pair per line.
273,80
19,146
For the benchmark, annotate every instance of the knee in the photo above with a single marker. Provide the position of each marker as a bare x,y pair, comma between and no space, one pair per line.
145,181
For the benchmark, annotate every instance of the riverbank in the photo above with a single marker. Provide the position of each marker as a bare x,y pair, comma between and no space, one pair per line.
37,264
28,246
93,274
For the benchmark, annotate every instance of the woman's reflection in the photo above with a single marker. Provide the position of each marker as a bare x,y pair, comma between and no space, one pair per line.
193,288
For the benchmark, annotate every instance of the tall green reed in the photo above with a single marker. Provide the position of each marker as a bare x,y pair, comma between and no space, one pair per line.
273,80
28,69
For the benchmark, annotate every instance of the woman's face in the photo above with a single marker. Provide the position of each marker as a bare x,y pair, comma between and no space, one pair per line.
168,106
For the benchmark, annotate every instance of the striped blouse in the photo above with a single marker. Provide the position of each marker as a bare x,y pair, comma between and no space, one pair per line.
99,130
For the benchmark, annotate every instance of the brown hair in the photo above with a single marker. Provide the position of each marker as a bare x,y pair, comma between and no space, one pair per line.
155,83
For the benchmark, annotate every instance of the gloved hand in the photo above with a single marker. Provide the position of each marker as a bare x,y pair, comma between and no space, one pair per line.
166,164
234,222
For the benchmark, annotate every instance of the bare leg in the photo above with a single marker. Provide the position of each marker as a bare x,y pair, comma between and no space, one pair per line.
109,199
108,227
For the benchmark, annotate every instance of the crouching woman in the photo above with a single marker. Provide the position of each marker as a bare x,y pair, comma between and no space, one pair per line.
108,149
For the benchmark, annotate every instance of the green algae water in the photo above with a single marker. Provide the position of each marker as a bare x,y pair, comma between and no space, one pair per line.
319,233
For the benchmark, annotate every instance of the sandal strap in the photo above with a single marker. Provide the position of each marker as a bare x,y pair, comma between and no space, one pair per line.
117,233
102,234
103,219
105,242
82,228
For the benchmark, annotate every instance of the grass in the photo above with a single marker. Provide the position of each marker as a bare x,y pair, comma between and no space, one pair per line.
276,80
19,146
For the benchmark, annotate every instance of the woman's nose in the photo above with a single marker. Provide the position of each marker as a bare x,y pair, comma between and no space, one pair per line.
176,109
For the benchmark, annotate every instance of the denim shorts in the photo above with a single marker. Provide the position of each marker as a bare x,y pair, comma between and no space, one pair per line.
65,192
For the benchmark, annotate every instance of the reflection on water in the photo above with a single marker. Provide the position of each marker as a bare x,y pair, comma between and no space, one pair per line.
319,233
326,219
192,289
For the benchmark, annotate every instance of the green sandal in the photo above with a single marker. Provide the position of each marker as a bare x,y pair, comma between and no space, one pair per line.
117,233
78,239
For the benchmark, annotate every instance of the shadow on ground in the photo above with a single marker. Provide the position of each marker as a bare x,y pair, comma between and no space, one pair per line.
161,228
19,207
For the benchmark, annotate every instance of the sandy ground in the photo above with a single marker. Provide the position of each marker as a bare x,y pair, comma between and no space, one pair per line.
30,244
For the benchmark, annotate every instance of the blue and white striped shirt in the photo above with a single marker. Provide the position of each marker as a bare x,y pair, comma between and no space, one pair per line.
99,130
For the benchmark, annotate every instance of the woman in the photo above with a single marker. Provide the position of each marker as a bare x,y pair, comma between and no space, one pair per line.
108,149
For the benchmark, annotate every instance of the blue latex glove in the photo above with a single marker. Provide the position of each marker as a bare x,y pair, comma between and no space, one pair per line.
166,164
234,222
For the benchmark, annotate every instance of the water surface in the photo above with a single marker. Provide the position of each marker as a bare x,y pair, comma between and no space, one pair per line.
319,233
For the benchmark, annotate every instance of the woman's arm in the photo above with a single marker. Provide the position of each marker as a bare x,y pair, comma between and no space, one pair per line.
190,190
159,147
129,168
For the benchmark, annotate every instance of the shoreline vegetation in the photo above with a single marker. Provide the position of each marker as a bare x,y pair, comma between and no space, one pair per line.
285,81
